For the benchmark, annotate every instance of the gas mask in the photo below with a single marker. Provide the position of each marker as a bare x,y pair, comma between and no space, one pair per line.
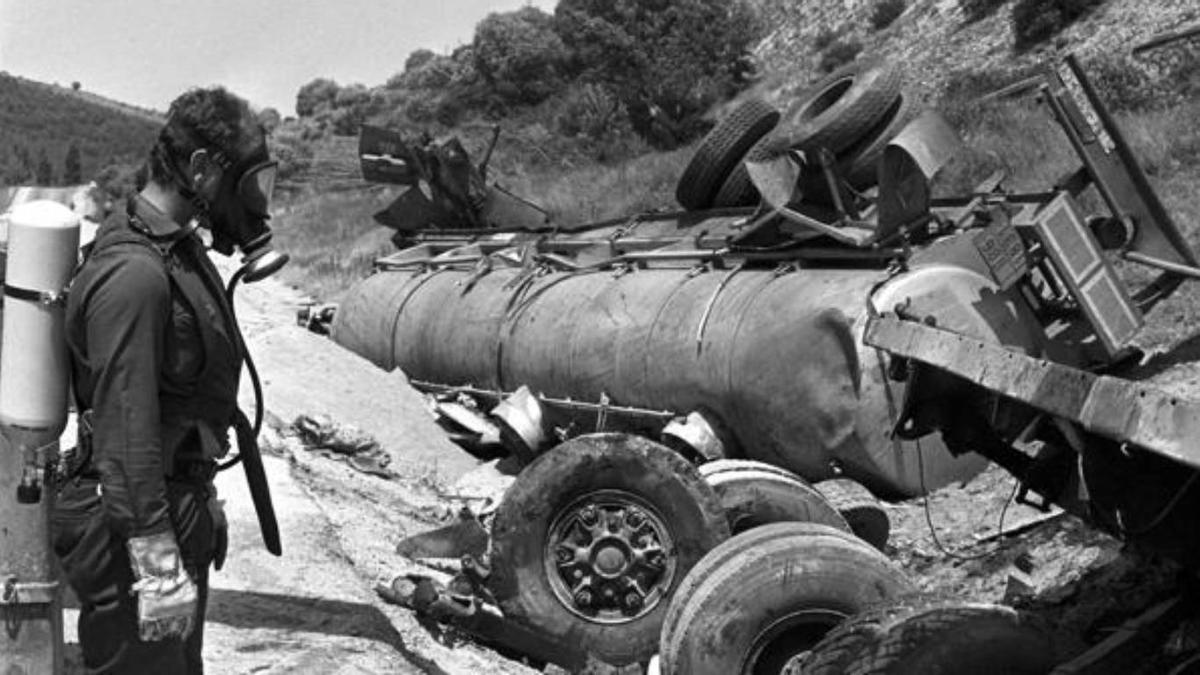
238,216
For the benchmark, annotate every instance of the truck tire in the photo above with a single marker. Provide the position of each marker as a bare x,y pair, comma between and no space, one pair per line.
860,163
861,509
738,189
721,150
593,538
844,644
980,639
769,594
756,493
840,109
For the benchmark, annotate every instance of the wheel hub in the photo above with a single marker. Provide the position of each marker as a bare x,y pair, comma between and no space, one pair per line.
609,557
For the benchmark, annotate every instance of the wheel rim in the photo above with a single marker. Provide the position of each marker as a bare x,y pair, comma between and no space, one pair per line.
609,557
775,648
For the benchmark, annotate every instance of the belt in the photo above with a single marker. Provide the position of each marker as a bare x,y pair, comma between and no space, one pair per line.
201,471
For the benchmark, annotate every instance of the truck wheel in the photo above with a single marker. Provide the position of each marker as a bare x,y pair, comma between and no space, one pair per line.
976,638
860,165
755,493
594,537
861,509
738,189
840,109
844,644
721,150
770,594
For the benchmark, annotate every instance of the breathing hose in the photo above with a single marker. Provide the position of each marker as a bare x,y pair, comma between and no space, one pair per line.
255,383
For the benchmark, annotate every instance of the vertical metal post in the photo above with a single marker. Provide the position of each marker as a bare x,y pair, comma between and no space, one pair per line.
31,626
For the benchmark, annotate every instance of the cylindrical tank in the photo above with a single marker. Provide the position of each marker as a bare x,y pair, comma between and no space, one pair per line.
776,359
42,252
43,245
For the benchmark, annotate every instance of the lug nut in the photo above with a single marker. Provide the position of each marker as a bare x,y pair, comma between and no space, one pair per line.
588,515
583,599
565,555
578,574
633,602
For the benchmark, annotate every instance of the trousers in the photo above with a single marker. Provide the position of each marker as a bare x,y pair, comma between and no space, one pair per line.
96,563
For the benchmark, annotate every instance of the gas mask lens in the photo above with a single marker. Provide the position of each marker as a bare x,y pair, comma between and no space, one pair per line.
253,237
256,187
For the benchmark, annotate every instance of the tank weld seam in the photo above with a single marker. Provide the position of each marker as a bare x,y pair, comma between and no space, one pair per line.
402,305
517,303
712,302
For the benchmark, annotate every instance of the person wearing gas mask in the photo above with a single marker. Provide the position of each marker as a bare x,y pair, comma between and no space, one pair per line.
156,356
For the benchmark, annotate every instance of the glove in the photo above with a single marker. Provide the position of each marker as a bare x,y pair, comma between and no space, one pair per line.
166,595
216,508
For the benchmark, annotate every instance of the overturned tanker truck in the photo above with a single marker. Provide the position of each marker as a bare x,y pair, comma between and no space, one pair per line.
690,394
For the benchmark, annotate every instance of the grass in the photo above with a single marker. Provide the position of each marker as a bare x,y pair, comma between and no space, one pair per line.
332,238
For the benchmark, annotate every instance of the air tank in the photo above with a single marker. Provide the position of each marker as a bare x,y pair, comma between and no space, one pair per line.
43,239
777,359
43,245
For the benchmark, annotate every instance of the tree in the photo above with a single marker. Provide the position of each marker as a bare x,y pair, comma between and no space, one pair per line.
72,167
45,172
519,54
269,118
75,86
20,167
418,58
667,60
321,91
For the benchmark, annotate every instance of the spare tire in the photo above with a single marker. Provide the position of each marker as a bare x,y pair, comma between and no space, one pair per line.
721,150
756,493
840,109
738,189
941,639
593,538
769,594
860,163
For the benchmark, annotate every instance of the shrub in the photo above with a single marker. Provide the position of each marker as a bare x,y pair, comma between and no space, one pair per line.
668,62
321,91
840,53
824,38
975,10
519,54
1035,21
886,12
959,102
588,110
418,58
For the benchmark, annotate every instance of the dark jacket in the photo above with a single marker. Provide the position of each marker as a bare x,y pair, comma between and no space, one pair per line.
156,357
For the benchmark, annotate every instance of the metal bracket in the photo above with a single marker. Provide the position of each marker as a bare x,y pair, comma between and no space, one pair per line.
16,592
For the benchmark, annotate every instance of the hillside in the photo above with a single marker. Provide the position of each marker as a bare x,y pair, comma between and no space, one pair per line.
39,123
939,41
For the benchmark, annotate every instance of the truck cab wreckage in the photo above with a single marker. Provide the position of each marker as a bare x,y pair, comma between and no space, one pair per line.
699,401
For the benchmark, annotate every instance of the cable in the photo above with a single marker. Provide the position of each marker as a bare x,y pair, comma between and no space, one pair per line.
929,516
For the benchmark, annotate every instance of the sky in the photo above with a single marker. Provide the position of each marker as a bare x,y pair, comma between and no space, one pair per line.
146,52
